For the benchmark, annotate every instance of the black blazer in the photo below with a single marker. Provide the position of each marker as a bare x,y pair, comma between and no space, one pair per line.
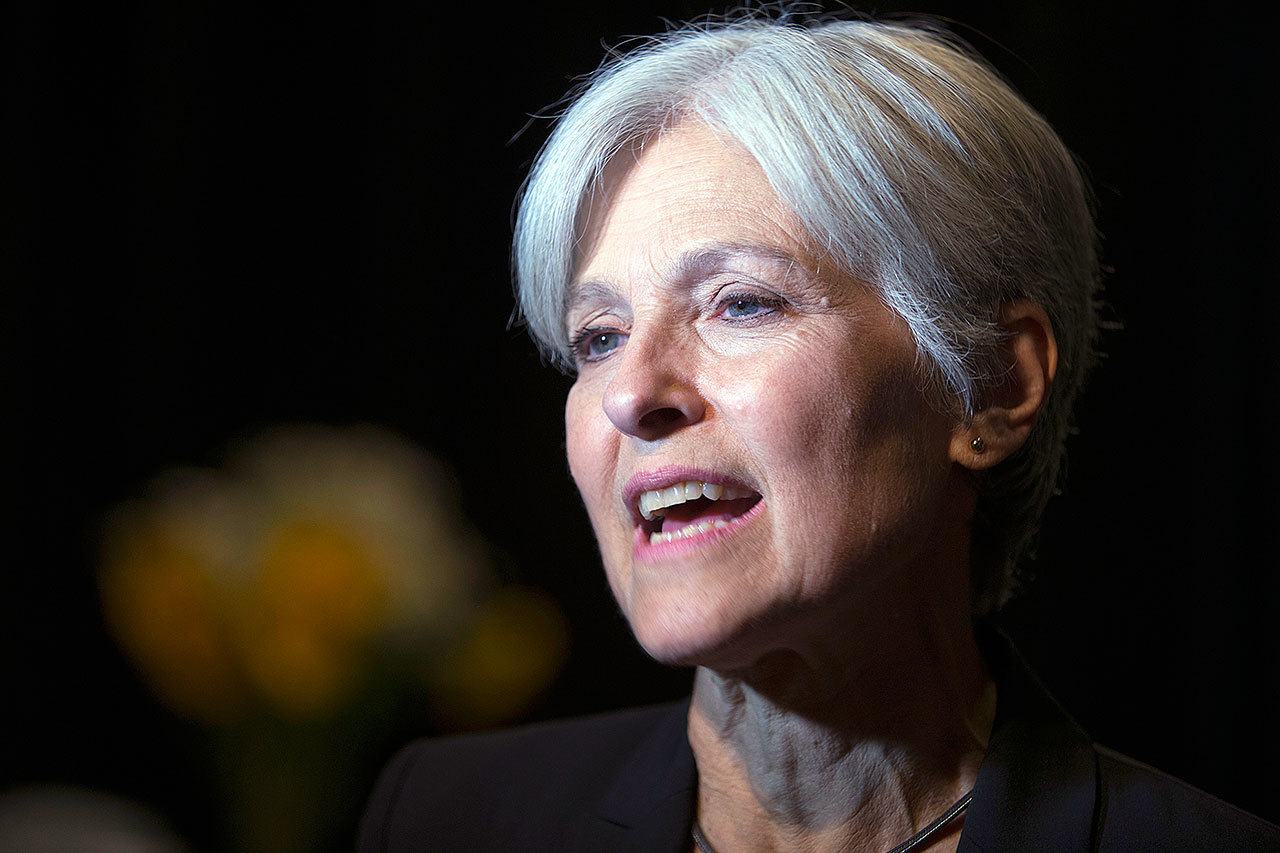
627,781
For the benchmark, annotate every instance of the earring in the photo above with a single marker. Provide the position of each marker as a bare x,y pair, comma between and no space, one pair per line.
978,444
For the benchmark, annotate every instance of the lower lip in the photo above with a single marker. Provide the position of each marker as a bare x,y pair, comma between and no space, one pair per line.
685,546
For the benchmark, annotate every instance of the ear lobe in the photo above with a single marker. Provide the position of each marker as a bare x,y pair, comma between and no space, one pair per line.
1030,356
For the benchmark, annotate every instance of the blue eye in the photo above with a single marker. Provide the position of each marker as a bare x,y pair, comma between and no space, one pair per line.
603,343
742,308
748,306
593,344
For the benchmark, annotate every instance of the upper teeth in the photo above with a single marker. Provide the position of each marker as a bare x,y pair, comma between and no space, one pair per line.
653,502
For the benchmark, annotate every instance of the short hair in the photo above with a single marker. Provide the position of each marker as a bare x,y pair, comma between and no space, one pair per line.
910,162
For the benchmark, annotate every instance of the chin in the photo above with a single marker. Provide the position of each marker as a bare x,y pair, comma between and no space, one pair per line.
687,634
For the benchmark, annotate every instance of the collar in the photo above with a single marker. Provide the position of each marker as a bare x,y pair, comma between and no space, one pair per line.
650,804
1038,784
1036,788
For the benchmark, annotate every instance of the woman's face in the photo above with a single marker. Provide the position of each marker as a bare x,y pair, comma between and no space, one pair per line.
715,347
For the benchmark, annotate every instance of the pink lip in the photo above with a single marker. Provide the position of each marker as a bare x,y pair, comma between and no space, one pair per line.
648,551
668,475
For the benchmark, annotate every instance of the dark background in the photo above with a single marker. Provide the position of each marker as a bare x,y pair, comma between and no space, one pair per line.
228,218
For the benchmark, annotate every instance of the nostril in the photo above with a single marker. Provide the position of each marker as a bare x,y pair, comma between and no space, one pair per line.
661,420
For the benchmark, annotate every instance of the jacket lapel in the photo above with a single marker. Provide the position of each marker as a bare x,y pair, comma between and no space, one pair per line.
1037,786
649,805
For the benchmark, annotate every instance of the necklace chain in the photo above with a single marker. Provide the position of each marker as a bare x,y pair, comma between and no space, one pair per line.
911,843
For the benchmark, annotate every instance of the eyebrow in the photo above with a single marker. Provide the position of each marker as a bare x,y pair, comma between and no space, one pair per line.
694,264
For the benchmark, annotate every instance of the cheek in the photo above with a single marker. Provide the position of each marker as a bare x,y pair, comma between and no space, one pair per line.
590,448
788,411
837,442
592,444
577,425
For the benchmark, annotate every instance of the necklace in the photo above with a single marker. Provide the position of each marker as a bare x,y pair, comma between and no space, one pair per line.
911,843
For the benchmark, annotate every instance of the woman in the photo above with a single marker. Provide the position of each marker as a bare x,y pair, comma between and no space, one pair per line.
828,291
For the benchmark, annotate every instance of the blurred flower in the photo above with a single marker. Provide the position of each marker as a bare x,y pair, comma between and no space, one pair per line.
289,599
510,653
316,557
160,598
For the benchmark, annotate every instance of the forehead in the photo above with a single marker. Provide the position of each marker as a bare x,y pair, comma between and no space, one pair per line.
686,198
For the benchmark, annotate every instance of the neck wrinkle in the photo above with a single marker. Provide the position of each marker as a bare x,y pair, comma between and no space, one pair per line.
844,749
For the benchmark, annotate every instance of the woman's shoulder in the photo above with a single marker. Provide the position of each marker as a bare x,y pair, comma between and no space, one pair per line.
1046,784
1139,804
529,781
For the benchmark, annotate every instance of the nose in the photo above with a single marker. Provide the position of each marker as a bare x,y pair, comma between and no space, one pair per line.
652,393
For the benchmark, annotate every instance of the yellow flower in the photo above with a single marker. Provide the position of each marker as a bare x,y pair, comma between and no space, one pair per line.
276,583
160,601
316,602
498,668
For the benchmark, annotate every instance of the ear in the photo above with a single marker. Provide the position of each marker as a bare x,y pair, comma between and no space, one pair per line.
1030,357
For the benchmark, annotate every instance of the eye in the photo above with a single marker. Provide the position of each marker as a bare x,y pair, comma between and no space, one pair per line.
593,344
603,343
748,306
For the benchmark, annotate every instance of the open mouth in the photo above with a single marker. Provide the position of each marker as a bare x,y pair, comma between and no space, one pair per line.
691,508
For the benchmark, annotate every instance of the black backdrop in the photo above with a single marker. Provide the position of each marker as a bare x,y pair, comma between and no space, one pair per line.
227,218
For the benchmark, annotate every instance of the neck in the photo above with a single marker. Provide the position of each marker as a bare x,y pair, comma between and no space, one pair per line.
854,740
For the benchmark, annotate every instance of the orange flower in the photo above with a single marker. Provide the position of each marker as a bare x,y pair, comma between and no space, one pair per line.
277,582
160,601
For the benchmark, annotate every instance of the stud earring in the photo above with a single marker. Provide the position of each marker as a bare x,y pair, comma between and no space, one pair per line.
978,444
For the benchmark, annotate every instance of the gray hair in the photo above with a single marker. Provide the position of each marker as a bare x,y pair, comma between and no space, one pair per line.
910,162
